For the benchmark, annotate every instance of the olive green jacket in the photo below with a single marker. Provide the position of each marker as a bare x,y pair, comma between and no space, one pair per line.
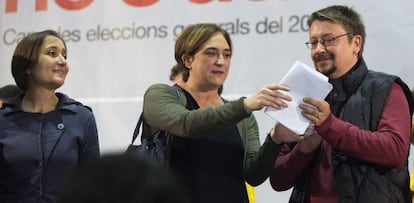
165,109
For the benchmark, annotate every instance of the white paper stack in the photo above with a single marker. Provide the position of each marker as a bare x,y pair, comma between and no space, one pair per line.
303,81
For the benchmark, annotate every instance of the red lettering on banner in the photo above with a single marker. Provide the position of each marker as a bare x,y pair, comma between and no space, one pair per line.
41,5
208,1
140,3
205,1
11,6
73,5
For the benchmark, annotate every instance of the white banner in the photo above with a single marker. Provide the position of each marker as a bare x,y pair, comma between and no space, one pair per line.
117,48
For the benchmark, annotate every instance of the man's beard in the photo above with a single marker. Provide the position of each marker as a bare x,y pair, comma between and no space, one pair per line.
329,70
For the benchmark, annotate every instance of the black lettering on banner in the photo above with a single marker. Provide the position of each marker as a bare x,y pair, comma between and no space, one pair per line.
270,26
237,27
267,25
177,30
100,33
298,23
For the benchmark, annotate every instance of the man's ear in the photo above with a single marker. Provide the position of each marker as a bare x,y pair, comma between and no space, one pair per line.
358,43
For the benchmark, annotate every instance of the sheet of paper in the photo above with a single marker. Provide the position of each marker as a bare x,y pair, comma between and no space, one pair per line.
303,81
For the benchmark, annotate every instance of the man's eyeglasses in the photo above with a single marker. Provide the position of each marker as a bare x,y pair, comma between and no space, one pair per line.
325,41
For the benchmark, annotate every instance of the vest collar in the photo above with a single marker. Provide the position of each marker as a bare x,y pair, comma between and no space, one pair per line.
351,80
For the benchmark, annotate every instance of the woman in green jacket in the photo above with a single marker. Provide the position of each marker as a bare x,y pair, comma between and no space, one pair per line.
216,146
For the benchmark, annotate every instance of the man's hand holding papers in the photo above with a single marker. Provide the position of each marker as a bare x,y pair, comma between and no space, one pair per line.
303,81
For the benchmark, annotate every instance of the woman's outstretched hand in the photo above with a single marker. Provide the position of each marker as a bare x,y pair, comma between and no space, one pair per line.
269,95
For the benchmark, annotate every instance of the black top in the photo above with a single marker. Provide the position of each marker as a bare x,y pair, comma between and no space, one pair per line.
211,167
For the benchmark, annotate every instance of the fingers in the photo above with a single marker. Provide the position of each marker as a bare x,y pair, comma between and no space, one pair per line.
278,87
315,111
310,111
313,102
279,91
270,95
277,97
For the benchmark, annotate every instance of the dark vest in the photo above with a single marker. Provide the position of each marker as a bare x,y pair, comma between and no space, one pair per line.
357,180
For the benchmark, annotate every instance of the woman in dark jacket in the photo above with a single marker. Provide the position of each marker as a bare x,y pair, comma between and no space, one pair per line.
44,135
